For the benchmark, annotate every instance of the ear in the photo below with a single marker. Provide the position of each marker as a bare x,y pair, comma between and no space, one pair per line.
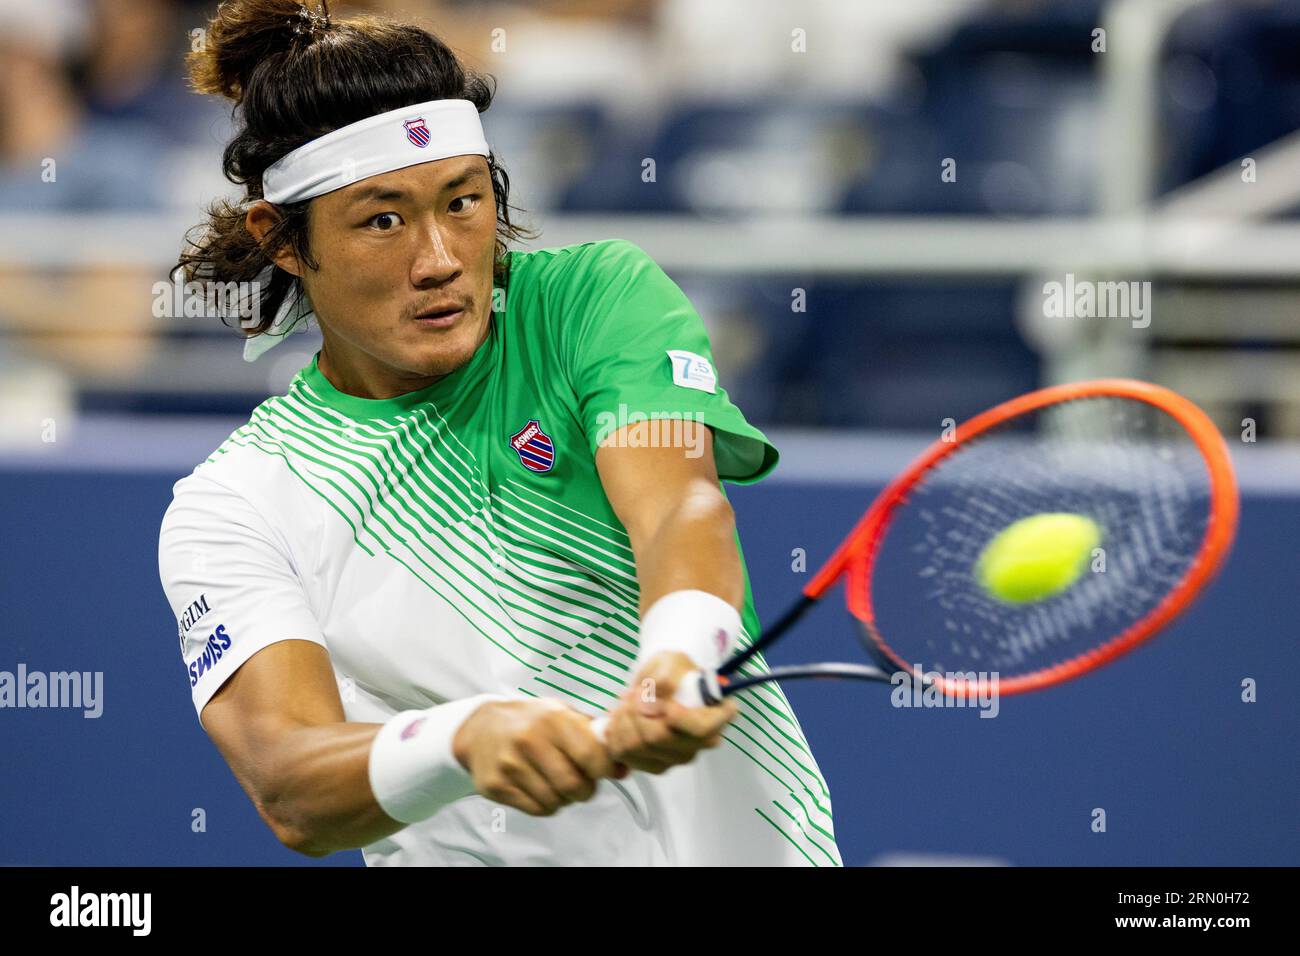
261,218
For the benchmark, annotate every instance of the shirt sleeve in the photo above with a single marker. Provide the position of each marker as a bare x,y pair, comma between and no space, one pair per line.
230,582
634,346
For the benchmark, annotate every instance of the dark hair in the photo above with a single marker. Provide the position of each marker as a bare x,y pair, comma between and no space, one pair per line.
295,75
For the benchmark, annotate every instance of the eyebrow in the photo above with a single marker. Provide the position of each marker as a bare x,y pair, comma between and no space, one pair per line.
389,194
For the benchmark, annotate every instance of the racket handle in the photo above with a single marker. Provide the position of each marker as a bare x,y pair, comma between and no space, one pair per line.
697,689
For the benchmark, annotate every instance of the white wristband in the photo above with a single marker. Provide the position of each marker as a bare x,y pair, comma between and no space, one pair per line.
413,771
699,624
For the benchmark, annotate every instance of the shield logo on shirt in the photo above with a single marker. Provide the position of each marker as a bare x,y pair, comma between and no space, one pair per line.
417,132
535,448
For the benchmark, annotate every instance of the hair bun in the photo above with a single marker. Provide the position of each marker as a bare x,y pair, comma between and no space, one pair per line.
310,22
244,34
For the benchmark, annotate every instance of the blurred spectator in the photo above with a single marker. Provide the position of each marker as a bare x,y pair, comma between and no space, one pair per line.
134,70
53,153
552,50
728,49
56,157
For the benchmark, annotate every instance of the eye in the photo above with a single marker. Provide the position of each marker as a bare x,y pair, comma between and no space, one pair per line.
466,197
392,218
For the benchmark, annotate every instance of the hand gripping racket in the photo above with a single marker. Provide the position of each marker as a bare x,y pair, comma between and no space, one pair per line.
1141,462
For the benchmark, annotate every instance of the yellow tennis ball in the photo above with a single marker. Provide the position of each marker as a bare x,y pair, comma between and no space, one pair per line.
1037,557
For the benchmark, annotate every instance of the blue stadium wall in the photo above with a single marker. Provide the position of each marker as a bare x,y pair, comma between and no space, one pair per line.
1186,772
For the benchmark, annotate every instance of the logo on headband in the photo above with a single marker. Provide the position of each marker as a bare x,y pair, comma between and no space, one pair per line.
417,132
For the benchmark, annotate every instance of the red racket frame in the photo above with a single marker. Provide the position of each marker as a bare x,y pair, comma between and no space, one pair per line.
856,556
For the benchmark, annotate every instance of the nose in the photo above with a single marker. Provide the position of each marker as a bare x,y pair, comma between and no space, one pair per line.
435,261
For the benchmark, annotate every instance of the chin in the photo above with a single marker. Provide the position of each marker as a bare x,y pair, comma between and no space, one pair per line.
432,360
441,353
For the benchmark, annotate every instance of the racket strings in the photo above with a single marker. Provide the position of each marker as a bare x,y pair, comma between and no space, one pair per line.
1122,463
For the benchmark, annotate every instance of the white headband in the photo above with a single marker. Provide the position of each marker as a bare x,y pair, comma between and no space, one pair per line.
377,144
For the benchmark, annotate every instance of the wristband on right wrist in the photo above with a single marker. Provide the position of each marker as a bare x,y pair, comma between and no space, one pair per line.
701,625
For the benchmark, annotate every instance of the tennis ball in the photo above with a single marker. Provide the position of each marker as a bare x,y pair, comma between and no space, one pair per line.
1037,557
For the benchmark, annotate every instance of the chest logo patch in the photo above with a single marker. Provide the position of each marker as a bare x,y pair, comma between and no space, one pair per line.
535,448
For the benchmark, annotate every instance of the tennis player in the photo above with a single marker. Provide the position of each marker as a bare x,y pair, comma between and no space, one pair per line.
405,588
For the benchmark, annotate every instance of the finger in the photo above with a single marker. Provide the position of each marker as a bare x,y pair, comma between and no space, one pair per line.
627,747
659,741
584,749
622,736
562,774
646,762
647,765
519,800
702,722
615,733
652,733
665,740
499,789
521,773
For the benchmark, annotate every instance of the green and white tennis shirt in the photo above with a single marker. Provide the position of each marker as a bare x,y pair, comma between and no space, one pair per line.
456,540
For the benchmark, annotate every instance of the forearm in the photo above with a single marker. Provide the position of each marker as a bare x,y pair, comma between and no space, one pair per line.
692,588
692,548
342,785
316,794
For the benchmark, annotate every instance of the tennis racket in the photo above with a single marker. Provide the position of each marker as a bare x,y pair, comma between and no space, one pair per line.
1143,463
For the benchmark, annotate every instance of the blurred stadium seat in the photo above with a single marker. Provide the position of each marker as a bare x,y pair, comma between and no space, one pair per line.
1014,93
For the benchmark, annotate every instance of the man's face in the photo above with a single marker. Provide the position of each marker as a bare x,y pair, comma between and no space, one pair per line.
392,250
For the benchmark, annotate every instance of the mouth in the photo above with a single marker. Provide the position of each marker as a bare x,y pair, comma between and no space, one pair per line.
439,316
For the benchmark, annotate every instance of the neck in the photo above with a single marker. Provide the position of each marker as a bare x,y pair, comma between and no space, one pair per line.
365,377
